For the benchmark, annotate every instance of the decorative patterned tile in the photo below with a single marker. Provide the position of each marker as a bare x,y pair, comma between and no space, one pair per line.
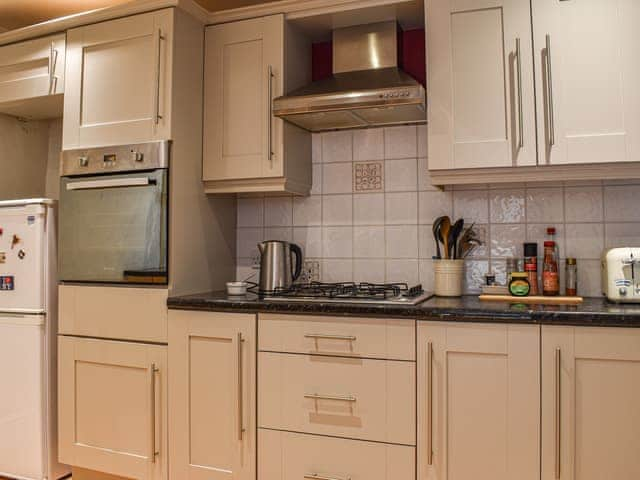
368,177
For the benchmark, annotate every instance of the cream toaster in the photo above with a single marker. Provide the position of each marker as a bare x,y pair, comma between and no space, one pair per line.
621,274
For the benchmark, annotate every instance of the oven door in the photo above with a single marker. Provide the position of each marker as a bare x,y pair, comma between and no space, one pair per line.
113,228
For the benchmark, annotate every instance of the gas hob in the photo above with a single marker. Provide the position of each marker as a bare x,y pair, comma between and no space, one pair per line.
349,292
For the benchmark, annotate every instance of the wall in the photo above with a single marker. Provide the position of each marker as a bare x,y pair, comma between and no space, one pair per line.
370,213
29,157
23,157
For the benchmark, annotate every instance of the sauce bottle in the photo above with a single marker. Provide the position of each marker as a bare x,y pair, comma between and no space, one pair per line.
531,265
550,278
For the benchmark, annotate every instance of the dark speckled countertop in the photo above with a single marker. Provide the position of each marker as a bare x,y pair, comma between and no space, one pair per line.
593,312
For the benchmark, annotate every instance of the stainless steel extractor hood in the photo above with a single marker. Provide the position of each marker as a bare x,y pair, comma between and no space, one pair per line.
367,87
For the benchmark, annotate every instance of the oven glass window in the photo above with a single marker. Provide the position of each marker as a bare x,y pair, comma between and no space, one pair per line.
113,228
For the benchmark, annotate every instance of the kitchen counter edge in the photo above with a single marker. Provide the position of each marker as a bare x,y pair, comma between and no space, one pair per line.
594,312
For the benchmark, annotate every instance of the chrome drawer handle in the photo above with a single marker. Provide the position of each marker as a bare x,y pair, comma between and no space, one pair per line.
339,398
319,336
315,476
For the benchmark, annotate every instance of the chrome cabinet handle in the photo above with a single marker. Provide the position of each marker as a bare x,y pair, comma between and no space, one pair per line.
316,476
270,110
430,403
240,388
157,116
320,336
339,398
520,113
558,412
152,380
550,108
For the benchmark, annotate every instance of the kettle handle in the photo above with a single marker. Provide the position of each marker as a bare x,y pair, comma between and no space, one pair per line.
297,251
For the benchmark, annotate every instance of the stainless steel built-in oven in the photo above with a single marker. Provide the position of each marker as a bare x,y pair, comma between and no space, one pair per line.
113,214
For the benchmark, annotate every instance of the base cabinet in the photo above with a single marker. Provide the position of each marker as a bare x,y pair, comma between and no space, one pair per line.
478,401
113,406
295,456
590,403
213,396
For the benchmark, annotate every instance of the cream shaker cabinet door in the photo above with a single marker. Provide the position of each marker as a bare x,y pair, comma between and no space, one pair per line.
113,407
243,73
34,68
590,403
213,396
481,94
478,401
587,57
119,81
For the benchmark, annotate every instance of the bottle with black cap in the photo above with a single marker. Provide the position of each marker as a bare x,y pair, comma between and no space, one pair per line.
531,265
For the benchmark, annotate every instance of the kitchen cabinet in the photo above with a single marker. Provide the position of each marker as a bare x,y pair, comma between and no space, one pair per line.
587,57
118,76
212,385
247,149
32,77
113,407
481,92
478,401
499,114
590,403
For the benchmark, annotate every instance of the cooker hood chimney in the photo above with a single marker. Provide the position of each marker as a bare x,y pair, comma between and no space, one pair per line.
366,89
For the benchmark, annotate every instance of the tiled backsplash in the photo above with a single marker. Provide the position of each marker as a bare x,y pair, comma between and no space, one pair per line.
372,205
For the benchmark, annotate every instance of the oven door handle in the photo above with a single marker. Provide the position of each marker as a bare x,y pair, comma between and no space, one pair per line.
111,183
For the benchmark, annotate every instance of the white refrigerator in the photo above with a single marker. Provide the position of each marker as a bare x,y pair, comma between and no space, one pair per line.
28,328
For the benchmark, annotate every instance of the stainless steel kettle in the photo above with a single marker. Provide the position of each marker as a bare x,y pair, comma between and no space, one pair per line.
277,270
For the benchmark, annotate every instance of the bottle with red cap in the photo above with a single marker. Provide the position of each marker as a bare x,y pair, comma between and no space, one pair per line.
550,276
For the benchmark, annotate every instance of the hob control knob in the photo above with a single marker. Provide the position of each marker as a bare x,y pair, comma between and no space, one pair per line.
83,161
622,291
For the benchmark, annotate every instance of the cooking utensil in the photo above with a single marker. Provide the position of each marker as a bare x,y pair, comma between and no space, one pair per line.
468,241
445,228
436,234
454,234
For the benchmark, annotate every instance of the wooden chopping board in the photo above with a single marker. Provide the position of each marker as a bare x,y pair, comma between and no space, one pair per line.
540,300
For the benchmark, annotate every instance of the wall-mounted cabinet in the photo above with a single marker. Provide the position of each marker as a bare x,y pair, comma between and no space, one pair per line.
32,77
486,121
480,90
247,149
119,76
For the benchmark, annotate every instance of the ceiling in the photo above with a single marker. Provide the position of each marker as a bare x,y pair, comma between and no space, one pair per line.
20,13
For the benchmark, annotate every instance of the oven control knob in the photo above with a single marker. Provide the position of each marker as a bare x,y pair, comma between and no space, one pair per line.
137,156
83,161
622,291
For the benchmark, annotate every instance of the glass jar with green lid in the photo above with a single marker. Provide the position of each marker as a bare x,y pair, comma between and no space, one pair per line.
519,285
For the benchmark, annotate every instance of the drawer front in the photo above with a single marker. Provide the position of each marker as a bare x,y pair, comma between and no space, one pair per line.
118,313
345,397
294,456
356,337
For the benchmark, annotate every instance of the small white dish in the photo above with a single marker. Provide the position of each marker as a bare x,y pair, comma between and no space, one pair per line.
237,288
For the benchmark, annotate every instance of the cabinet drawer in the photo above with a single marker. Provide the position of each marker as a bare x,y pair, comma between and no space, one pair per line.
345,397
294,456
357,337
113,312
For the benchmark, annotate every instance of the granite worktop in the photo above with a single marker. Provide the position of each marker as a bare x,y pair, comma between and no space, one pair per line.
593,312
